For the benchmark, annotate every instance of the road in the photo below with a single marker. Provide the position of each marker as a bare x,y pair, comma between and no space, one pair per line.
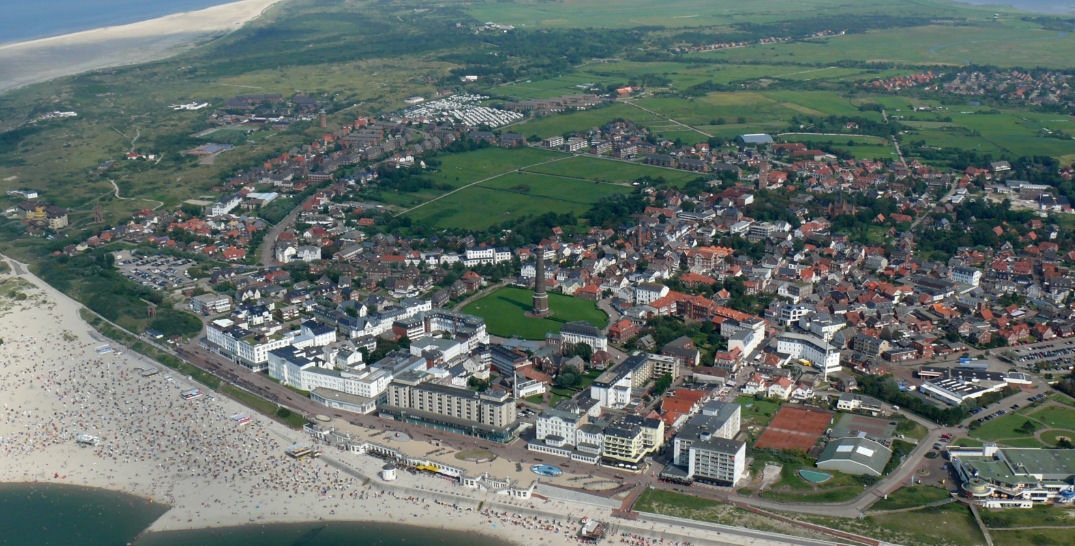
268,244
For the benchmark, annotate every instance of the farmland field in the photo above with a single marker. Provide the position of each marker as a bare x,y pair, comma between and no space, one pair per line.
681,13
1004,44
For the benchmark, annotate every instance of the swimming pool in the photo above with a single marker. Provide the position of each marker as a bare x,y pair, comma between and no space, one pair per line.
813,476
546,470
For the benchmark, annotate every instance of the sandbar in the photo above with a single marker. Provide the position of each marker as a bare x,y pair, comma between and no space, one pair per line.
35,61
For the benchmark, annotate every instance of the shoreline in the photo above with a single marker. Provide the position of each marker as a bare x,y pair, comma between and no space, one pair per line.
57,382
44,59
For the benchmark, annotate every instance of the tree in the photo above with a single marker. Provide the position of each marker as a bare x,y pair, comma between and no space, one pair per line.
479,385
583,351
661,384
568,377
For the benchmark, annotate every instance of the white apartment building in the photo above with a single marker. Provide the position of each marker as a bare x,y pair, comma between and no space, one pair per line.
580,331
647,292
717,460
242,346
823,356
558,428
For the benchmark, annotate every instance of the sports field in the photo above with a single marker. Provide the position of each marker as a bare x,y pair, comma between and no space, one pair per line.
795,428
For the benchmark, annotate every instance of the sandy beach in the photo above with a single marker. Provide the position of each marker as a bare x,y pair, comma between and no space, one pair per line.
56,383
36,61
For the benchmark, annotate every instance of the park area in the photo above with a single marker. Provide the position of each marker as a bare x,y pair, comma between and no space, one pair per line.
1044,425
505,311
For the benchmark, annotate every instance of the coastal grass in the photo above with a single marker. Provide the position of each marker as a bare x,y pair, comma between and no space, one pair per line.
1031,537
950,524
505,310
946,524
263,406
463,168
1038,515
911,497
670,503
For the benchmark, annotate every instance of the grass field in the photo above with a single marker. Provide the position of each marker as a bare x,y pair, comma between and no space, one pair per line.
576,121
691,507
758,412
792,488
505,310
1056,416
1031,537
596,169
860,147
1008,43
910,497
513,196
677,13
948,524
1039,514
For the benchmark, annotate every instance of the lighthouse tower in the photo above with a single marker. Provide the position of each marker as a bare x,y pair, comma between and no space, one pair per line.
541,299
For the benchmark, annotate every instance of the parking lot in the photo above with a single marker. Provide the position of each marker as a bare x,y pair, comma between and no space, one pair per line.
158,272
1001,412
1055,354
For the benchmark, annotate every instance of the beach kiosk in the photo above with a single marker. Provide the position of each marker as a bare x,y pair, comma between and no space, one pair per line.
388,472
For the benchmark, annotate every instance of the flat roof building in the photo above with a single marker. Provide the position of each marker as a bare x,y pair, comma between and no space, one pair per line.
412,398
858,456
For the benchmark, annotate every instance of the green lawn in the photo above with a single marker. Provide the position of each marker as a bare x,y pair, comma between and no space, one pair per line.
505,310
1052,436
1001,428
758,412
610,170
793,488
513,196
1056,416
910,497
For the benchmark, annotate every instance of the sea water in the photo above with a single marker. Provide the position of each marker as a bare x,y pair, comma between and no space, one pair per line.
40,513
24,20
44,514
